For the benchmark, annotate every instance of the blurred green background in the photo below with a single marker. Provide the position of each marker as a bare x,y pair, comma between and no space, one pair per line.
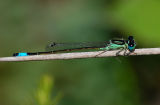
28,25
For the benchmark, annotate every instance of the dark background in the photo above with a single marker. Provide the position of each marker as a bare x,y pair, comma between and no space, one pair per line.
28,25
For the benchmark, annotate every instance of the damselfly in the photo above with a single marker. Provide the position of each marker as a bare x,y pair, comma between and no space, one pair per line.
122,44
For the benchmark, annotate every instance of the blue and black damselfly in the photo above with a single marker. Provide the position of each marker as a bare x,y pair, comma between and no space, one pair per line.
128,44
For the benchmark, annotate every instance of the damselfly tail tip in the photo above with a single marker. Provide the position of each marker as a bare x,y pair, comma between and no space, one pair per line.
21,54
15,54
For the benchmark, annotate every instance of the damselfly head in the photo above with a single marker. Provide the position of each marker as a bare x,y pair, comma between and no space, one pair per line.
130,38
131,44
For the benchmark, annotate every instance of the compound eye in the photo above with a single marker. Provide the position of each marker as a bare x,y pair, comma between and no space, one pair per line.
130,38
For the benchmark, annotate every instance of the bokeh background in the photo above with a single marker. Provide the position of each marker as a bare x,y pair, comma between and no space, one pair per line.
28,25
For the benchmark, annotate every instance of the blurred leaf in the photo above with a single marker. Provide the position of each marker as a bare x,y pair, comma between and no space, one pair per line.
43,94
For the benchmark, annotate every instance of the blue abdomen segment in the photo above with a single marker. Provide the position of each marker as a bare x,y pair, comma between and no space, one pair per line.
21,54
